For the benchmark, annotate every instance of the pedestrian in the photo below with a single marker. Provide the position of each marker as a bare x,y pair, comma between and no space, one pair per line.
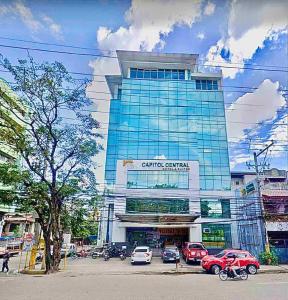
6,258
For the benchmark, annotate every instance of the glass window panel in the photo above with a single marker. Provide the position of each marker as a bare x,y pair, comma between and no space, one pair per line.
209,84
215,85
174,74
147,74
140,73
204,84
198,84
161,74
133,73
168,74
156,179
154,74
181,74
157,205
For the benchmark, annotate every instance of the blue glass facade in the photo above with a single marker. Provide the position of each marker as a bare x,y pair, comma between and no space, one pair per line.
171,119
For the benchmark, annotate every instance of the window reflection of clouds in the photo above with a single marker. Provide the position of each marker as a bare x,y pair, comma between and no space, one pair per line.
175,132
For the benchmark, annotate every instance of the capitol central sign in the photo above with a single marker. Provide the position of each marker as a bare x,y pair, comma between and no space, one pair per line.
166,166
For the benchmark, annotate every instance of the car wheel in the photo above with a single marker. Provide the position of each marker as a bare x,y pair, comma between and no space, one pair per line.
132,263
252,269
215,269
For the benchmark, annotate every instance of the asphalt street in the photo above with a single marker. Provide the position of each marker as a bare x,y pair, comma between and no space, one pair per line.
89,279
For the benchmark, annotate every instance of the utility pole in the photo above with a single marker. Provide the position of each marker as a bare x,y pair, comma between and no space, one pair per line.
256,166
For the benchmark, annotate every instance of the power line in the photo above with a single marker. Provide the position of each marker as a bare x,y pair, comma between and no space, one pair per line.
110,51
115,57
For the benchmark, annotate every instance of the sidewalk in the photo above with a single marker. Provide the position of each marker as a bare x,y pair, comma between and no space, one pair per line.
89,266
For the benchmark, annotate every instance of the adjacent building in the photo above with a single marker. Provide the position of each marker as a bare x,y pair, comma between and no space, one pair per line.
167,165
265,216
7,154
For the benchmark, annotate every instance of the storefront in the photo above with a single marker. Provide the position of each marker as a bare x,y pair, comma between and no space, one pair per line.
216,236
156,237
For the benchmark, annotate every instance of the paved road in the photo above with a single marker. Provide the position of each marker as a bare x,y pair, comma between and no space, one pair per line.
140,287
88,279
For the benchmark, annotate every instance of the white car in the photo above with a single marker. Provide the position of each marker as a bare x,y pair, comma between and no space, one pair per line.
141,254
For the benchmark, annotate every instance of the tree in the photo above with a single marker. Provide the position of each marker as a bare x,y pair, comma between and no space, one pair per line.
80,216
57,143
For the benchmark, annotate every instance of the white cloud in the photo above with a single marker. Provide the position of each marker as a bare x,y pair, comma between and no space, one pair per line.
54,28
209,9
279,134
239,159
19,9
251,108
245,35
146,25
145,30
201,36
26,16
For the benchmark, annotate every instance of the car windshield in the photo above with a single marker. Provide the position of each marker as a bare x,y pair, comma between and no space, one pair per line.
195,246
141,250
171,249
221,254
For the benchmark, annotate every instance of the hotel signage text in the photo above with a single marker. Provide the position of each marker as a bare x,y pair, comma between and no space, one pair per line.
168,166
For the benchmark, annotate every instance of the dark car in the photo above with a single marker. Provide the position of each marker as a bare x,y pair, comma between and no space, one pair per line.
170,254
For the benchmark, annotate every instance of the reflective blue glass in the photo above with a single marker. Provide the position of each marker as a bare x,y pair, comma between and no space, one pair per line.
157,180
161,74
171,119
140,73
133,73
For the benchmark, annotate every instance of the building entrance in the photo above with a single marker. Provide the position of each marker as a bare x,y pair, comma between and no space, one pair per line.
157,238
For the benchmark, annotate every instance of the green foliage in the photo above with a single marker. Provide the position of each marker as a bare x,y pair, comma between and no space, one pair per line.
57,153
80,216
268,258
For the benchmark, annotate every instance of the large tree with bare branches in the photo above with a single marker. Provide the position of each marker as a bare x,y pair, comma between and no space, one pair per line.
56,142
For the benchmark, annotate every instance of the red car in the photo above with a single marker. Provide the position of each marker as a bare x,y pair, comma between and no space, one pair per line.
193,252
215,263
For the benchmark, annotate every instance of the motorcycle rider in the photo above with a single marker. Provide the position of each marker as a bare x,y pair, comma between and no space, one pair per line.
234,265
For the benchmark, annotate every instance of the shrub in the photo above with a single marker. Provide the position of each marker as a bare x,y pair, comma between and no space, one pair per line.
268,258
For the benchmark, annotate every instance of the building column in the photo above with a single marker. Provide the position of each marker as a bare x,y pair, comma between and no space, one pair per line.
119,233
195,233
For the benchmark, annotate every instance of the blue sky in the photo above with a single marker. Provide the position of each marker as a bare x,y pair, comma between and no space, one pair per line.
244,33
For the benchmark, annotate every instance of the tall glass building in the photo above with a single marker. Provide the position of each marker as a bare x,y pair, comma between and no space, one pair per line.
167,165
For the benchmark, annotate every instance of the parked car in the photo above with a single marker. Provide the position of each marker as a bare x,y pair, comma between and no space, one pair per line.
193,252
214,263
141,254
170,253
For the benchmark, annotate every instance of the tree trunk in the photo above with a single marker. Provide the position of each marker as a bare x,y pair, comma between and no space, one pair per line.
48,259
57,236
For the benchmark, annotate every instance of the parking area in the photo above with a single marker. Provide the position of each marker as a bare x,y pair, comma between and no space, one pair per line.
116,266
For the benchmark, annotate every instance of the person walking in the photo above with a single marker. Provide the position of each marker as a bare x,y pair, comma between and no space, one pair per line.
6,258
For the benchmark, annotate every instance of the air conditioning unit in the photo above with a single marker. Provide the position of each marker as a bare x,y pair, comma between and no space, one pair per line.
206,230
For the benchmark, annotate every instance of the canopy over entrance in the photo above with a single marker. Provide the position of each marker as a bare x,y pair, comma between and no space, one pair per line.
159,218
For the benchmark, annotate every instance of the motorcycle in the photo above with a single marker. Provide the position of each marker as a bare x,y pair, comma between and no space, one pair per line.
96,254
106,255
123,254
227,272
114,252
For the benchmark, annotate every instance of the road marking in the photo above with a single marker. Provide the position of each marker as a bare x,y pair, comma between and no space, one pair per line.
276,282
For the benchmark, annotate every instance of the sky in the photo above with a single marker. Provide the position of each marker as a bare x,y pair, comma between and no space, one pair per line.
240,36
